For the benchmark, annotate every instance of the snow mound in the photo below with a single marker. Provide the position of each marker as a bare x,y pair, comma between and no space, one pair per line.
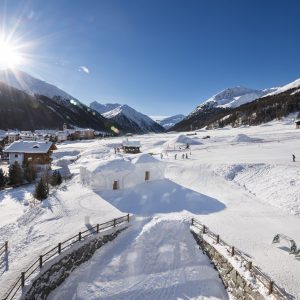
243,138
145,159
181,140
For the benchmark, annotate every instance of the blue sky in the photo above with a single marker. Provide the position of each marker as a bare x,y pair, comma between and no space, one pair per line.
160,57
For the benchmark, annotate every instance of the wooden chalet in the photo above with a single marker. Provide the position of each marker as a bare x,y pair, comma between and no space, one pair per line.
35,152
131,146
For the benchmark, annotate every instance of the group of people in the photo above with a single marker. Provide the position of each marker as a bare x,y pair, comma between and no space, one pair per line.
117,150
183,155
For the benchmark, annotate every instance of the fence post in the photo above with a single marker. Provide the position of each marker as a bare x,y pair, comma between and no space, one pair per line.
114,222
79,236
204,229
22,279
6,247
232,251
41,261
192,221
97,228
59,248
271,287
128,218
218,239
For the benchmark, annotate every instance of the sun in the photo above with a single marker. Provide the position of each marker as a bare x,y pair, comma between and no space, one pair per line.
10,57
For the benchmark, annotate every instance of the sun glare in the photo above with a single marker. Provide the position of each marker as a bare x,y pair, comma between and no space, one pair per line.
9,55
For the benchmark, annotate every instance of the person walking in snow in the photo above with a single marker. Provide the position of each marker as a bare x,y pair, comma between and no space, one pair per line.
186,156
294,157
182,156
175,156
161,156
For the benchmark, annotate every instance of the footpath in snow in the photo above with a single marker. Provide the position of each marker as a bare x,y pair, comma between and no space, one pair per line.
157,258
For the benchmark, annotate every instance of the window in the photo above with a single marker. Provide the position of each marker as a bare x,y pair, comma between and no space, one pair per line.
16,155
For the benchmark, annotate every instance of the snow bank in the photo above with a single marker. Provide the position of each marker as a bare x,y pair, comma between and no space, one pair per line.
180,141
243,138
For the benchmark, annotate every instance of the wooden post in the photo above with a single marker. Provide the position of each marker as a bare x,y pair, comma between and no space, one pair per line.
59,248
218,239
79,236
232,251
97,228
271,287
204,229
6,247
22,279
128,218
41,261
114,222
250,265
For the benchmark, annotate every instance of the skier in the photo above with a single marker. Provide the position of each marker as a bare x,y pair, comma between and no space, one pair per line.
294,157
175,156
186,156
161,156
182,155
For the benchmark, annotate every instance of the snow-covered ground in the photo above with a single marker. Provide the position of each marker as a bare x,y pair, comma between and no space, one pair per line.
157,258
240,182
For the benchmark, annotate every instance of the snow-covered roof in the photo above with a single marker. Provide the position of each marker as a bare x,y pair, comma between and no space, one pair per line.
28,147
112,166
145,159
131,143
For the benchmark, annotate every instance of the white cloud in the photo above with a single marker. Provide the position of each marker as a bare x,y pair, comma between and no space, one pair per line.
84,69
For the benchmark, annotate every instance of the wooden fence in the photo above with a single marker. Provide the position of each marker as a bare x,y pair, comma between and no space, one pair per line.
4,248
57,250
266,281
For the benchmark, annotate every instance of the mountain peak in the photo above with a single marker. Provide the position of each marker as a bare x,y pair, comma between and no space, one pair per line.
31,85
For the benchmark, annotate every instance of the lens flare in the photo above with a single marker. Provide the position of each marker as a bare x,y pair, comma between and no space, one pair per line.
114,129
10,57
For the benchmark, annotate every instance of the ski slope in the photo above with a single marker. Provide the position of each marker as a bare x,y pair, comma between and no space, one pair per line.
157,258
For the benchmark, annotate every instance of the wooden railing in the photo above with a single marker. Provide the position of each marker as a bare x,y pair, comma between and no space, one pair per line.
264,279
4,248
57,250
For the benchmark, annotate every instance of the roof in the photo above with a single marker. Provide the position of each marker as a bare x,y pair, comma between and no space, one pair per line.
145,159
131,143
29,147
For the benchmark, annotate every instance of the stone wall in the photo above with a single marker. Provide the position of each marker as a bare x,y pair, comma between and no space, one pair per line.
53,274
233,281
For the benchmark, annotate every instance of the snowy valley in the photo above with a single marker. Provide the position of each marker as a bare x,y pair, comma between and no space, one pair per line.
240,182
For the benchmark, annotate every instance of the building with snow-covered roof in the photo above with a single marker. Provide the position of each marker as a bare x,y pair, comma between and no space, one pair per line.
35,152
108,174
121,173
297,123
131,146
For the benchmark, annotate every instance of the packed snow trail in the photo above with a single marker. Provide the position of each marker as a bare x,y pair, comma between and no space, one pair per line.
157,258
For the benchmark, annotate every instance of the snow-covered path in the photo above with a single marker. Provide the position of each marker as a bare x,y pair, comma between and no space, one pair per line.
157,258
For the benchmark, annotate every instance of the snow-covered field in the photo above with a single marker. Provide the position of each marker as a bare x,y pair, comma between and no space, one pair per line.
240,182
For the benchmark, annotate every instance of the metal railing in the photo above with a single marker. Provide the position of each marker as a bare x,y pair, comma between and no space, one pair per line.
57,250
264,279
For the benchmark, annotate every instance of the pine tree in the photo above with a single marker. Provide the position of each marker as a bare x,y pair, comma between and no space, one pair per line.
41,190
56,178
29,172
2,179
15,174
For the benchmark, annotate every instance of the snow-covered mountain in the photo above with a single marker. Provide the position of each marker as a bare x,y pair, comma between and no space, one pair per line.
31,85
169,122
127,117
103,108
234,97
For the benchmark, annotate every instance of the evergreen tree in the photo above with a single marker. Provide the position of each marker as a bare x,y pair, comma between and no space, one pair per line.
56,178
2,179
41,190
15,174
29,172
